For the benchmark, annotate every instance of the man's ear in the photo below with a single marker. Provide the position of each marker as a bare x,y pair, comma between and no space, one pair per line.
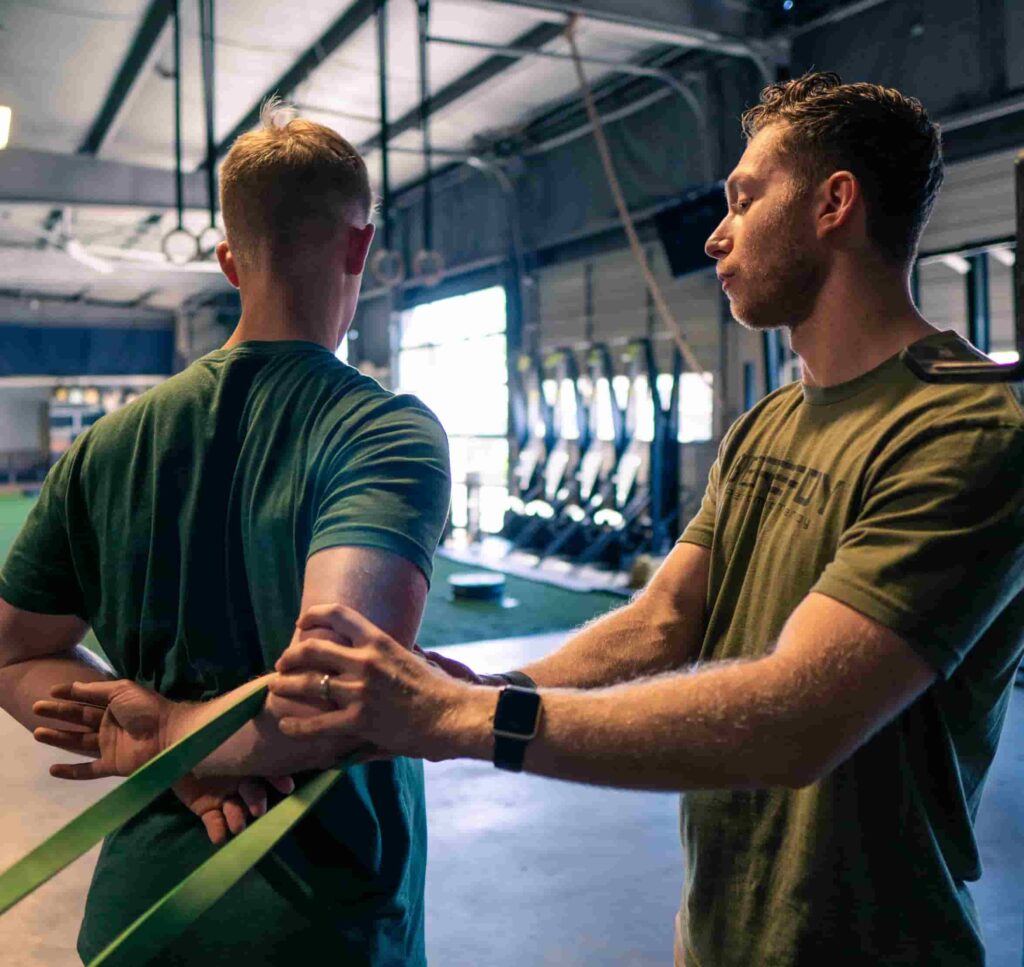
359,241
227,263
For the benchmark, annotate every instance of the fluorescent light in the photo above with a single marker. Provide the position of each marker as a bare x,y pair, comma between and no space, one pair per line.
5,126
958,263
77,251
1007,256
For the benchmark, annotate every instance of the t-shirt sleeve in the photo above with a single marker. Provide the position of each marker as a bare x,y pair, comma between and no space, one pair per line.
937,550
39,573
701,529
389,486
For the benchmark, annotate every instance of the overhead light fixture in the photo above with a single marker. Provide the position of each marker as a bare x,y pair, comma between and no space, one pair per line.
77,251
958,263
1007,256
5,126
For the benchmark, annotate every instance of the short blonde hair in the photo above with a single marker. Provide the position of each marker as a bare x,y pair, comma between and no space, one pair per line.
290,185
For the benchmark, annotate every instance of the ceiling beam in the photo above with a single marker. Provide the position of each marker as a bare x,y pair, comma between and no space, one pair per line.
143,48
534,38
43,177
692,23
356,16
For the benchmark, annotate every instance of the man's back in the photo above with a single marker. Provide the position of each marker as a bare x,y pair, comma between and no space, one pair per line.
187,519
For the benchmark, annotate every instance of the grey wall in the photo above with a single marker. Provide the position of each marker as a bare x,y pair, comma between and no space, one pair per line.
23,420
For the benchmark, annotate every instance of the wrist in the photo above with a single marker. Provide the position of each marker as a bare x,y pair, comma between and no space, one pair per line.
176,721
464,730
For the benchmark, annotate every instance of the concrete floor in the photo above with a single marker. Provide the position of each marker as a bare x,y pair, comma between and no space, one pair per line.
524,872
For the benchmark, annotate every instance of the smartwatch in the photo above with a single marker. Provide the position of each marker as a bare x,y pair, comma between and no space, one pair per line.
516,720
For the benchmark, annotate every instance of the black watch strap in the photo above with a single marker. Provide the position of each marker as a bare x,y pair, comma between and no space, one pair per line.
517,678
509,753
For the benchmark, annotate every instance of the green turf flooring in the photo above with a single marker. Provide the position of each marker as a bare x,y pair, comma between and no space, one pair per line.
540,607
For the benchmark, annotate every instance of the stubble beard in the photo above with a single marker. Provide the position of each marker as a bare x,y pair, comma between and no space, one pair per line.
781,290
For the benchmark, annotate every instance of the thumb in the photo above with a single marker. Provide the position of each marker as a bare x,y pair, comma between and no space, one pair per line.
90,693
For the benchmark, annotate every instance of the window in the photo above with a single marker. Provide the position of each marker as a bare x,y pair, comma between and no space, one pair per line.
696,407
453,356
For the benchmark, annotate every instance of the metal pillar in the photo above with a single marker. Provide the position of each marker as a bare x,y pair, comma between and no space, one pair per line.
978,312
772,360
749,387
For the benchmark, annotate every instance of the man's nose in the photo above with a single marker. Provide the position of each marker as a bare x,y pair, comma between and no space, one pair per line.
716,247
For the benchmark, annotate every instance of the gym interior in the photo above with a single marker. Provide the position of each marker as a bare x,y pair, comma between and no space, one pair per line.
547,174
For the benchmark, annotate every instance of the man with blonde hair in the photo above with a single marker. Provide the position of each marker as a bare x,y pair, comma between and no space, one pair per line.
190,528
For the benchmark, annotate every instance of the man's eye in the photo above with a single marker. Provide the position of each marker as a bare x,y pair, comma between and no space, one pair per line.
741,205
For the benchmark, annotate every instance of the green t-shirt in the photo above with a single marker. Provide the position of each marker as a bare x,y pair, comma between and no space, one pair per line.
179,528
903,500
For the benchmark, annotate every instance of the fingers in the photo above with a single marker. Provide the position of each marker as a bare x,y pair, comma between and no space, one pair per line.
92,693
234,814
306,686
254,794
322,656
456,669
80,743
346,622
81,770
216,826
71,713
339,722
283,784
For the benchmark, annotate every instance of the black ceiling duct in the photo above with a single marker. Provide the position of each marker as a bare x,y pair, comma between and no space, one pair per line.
685,228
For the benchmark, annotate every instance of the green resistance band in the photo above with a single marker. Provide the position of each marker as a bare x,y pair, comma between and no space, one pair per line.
171,915
120,804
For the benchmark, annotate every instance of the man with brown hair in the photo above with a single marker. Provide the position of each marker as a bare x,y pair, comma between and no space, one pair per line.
823,662
190,527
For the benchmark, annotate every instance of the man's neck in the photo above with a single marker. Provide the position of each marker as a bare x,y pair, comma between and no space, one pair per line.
273,312
864,316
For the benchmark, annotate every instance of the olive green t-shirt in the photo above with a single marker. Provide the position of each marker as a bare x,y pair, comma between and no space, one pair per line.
179,528
905,501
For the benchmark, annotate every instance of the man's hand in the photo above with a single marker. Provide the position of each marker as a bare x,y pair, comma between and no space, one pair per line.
452,667
121,726
385,694
222,803
124,727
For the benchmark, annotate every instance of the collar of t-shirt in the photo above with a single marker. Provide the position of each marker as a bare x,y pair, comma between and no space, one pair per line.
885,372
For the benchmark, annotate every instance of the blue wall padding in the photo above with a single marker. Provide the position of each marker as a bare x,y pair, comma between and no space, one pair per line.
78,351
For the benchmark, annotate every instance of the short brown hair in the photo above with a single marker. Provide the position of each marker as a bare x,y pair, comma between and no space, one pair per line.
884,138
289,184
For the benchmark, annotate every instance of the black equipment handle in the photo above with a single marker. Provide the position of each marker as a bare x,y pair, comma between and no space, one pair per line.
922,360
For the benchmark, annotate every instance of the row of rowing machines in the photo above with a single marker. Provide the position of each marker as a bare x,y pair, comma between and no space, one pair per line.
596,480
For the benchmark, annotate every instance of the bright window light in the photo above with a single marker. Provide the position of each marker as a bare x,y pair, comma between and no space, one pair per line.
5,126
1005,356
453,357
342,352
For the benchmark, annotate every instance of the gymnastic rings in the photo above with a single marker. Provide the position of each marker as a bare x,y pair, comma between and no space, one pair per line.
387,267
208,240
428,266
180,246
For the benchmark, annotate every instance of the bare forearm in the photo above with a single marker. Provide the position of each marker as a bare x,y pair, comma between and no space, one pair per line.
256,749
722,727
636,641
26,682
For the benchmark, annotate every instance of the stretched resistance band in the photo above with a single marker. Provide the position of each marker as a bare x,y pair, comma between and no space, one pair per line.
201,889
120,804
191,898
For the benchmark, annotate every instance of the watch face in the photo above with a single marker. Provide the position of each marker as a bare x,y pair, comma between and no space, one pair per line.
517,711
